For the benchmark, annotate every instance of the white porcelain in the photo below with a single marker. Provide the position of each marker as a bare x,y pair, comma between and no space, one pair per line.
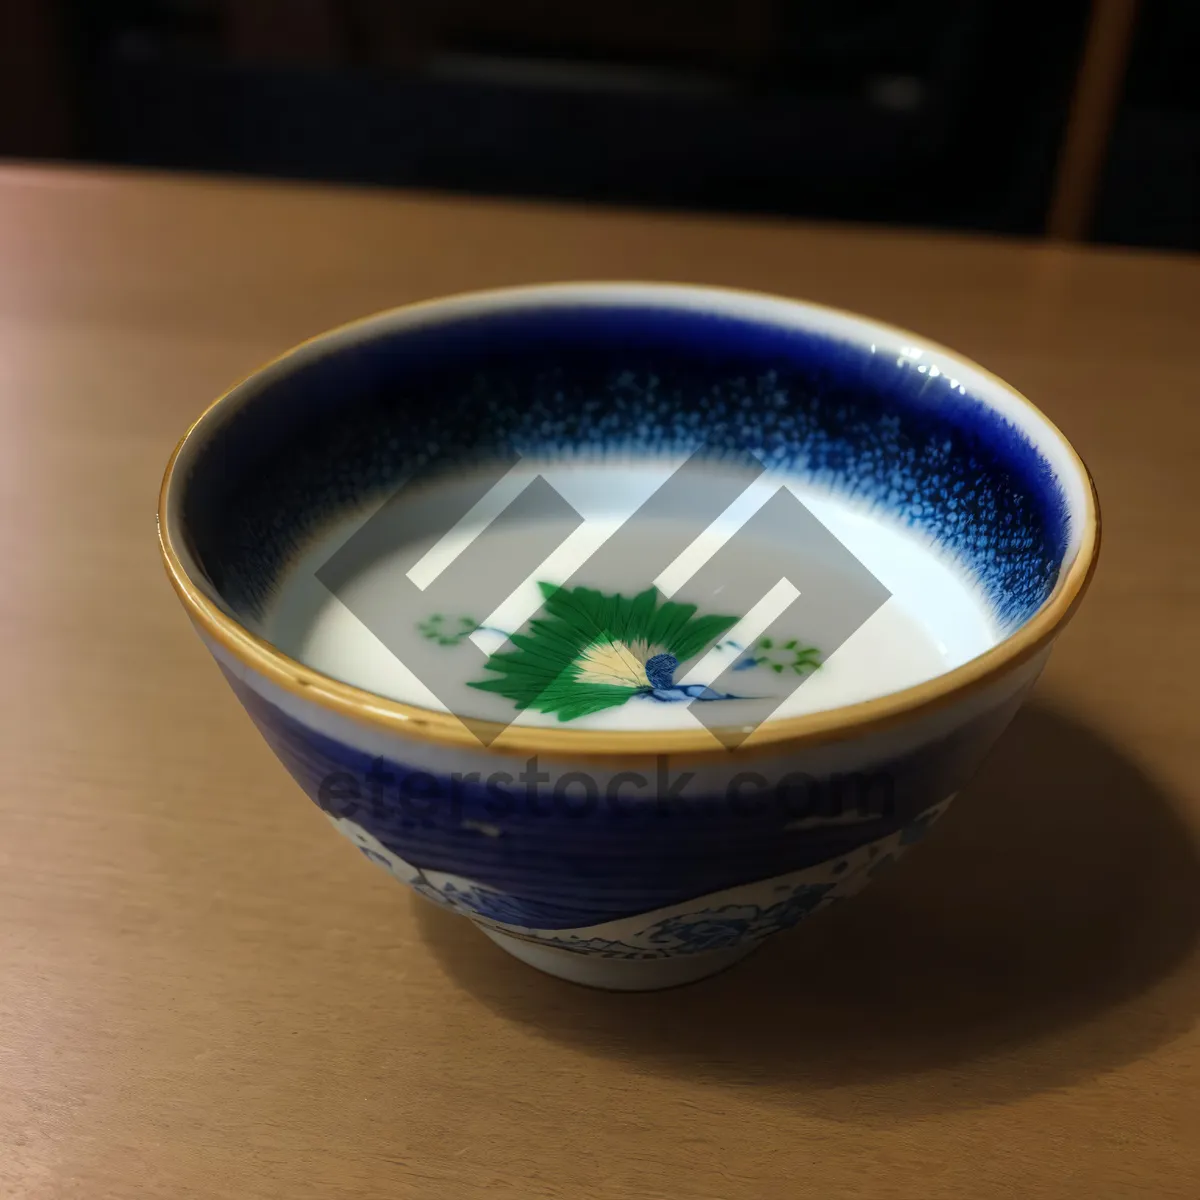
645,845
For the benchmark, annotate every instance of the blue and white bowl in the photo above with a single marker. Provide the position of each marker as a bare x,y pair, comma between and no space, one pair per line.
682,849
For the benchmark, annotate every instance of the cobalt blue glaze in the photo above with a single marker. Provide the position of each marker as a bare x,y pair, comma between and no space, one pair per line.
564,862
358,421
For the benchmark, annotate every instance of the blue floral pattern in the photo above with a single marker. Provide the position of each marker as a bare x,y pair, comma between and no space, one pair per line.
720,928
709,923
484,902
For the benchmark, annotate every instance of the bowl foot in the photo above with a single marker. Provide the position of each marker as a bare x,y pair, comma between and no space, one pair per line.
618,974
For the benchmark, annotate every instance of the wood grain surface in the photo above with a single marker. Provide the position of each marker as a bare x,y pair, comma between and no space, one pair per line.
205,993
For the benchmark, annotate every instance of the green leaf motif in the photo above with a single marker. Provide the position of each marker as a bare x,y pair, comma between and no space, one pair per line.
434,629
803,660
548,670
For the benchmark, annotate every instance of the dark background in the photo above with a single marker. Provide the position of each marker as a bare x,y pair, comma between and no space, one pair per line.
946,113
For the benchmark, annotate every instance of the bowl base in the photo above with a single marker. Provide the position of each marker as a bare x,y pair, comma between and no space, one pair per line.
616,974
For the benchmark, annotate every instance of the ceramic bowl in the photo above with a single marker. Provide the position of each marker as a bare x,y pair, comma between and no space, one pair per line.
640,856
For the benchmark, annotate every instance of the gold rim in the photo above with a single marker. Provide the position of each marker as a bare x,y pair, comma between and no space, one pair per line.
828,726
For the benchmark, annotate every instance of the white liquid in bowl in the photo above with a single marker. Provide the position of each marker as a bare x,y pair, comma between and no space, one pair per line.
932,620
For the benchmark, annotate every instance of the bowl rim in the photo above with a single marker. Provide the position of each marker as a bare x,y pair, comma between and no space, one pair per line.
825,726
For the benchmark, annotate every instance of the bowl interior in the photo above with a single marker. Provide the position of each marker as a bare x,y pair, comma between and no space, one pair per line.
386,505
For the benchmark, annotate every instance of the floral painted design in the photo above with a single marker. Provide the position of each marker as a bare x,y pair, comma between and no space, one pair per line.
485,902
779,657
718,921
732,924
591,650
438,628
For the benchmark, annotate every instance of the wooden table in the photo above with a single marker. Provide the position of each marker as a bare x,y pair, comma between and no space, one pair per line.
204,993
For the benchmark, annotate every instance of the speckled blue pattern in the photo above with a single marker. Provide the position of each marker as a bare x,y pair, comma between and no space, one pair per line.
596,381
